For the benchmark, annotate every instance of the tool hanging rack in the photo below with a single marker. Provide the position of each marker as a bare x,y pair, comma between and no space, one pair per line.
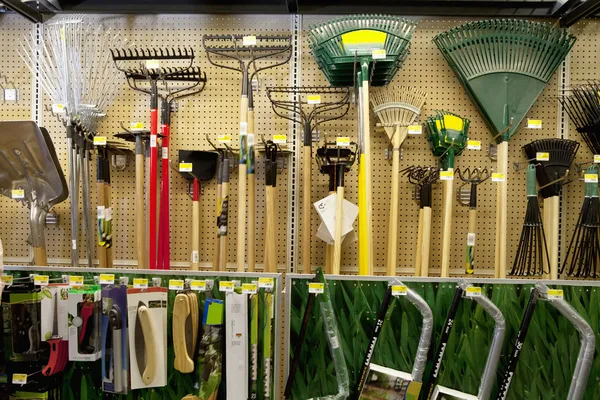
158,78
308,106
247,55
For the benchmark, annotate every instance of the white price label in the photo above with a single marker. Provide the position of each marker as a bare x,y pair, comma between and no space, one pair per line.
540,156
498,177
226,286
58,108
415,130
199,285
41,280
249,288
555,294
185,167
249,40
101,212
470,239
195,256
342,141
474,145
399,290
280,139
140,283
176,284
74,244
473,291
597,158
378,54
152,64
447,175
534,123
165,153
152,140
243,128
107,279
250,139
17,194
316,287
313,99
99,140
266,283
591,178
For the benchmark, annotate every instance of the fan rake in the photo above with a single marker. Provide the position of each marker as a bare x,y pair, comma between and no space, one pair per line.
583,107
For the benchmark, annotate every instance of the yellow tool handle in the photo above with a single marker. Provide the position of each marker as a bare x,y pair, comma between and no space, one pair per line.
426,241
150,345
337,239
181,312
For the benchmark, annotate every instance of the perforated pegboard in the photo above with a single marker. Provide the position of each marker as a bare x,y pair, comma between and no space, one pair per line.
427,70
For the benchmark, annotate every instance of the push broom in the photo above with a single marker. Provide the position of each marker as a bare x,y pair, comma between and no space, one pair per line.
583,253
504,65
362,51
247,55
553,158
397,107
309,106
447,137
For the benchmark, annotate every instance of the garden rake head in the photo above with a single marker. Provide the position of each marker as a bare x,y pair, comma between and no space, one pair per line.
447,135
334,161
504,65
378,43
397,106
472,177
309,106
551,174
583,107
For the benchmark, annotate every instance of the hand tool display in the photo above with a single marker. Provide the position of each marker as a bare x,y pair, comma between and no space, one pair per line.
447,135
583,106
197,166
553,159
59,350
531,257
248,55
154,79
583,252
504,78
473,178
115,346
397,108
362,51
308,106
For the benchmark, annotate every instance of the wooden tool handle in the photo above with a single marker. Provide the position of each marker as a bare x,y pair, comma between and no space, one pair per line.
447,227
181,312
337,239
471,240
501,211
150,345
223,239
140,231
551,222
251,222
306,207
426,241
392,253
195,255
272,231
101,250
218,241
418,254
329,255
39,257
242,187
108,204
368,185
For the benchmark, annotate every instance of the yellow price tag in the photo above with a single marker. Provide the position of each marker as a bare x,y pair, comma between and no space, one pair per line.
316,287
313,99
41,280
7,279
176,284
19,379
415,130
474,145
17,194
185,167
75,280
539,156
597,158
399,290
107,279
498,177
266,283
226,286
342,141
447,175
224,139
152,64
99,140
58,108
249,40
555,294
591,178
199,285
534,123
140,283
378,54
249,288
136,126
473,291
280,139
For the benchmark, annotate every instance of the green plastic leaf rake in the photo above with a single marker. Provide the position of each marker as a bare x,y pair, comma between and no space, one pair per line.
381,40
504,65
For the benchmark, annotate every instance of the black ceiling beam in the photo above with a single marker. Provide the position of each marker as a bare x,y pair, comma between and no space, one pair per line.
586,9
23,9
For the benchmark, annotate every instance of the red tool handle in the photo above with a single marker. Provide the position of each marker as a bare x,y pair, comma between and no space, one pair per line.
85,313
153,176
54,361
164,227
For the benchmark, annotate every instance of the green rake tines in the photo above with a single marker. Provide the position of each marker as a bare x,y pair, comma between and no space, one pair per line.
504,65
380,42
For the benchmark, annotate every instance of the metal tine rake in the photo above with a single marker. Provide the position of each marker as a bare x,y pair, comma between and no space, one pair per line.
583,107
319,105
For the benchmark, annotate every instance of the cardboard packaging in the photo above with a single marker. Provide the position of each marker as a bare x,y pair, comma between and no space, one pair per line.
115,340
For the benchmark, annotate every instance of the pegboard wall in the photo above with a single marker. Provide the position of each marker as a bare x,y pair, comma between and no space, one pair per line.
215,111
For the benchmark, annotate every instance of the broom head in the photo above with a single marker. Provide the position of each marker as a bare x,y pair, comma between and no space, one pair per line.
504,65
